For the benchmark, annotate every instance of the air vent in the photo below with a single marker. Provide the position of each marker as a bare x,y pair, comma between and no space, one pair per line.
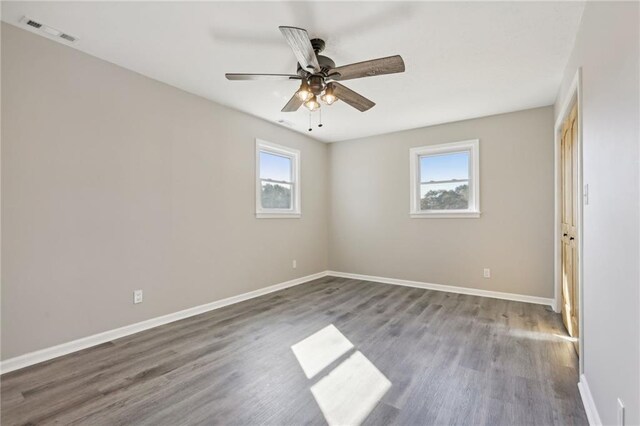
285,123
34,23
68,37
44,29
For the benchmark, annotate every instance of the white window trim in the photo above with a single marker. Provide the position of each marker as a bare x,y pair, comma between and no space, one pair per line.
294,154
473,146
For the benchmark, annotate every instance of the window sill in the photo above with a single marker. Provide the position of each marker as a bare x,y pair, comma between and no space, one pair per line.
278,215
447,215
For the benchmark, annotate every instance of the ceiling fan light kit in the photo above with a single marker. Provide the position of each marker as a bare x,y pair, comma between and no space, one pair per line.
319,75
304,93
312,104
328,97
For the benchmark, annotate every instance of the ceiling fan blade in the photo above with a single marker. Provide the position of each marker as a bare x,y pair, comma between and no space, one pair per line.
299,42
236,76
388,65
294,103
354,99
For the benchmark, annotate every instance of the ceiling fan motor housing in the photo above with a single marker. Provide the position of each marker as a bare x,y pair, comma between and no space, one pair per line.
326,65
316,84
316,81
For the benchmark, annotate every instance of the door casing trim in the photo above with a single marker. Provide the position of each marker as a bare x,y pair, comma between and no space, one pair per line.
574,95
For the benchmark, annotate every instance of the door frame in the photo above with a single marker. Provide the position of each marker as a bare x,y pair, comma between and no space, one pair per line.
574,95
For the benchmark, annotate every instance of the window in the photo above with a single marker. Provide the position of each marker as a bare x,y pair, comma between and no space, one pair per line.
445,180
277,181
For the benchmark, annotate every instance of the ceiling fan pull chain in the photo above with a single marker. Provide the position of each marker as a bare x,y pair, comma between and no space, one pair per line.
310,128
320,118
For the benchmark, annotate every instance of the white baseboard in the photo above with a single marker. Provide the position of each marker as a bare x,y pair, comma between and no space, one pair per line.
448,288
589,403
46,354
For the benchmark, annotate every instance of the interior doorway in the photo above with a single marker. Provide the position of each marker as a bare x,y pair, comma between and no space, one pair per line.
569,238
571,196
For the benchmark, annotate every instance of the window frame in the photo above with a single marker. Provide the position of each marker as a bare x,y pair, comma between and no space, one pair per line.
294,155
471,146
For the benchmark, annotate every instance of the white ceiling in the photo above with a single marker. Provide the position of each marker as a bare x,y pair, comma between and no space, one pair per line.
463,60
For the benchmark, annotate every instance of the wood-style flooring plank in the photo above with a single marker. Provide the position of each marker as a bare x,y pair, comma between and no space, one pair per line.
451,359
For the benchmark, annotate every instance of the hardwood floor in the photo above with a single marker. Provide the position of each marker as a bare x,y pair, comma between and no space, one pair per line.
451,359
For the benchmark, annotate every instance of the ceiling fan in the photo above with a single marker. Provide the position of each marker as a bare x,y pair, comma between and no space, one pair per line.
320,77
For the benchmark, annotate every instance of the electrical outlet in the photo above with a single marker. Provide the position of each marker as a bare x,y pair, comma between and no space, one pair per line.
137,296
295,264
487,273
620,412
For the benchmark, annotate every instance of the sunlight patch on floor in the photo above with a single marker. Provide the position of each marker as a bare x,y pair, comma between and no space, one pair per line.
567,338
348,393
320,349
351,391
538,335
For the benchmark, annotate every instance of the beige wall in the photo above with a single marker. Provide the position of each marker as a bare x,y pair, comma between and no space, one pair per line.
372,233
113,182
607,49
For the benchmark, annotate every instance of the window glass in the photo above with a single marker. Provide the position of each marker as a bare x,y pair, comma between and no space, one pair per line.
277,181
444,181
276,195
275,167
